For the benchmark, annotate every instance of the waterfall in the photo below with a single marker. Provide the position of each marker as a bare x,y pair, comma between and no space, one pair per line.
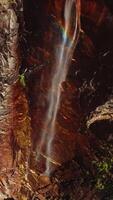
63,57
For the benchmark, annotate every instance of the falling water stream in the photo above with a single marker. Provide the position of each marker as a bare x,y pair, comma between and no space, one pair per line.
63,57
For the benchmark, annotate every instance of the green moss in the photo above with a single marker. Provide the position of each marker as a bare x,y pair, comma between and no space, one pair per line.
22,79
103,175
99,184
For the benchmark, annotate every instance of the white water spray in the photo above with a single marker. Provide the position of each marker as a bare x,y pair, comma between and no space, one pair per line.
63,58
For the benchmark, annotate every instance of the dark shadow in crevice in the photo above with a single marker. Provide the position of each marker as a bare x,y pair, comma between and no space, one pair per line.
102,129
9,199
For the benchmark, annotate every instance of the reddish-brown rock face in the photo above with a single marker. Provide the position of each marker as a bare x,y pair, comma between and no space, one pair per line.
41,59
9,63
14,120
69,114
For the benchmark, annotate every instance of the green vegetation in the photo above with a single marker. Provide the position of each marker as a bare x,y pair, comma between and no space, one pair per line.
103,173
22,79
